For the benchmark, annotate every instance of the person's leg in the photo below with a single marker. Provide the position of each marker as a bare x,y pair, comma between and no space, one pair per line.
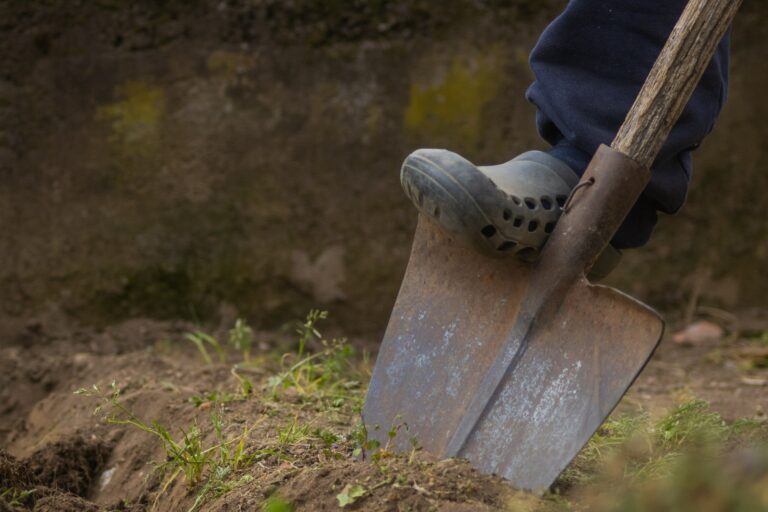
589,64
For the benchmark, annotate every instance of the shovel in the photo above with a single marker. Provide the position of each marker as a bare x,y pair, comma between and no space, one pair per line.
513,366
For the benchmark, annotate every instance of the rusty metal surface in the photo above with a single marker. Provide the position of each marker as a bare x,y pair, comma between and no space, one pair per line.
452,315
510,365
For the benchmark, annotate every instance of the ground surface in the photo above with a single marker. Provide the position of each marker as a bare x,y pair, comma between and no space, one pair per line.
292,444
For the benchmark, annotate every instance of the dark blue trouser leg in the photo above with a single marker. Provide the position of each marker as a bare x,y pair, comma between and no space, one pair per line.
589,64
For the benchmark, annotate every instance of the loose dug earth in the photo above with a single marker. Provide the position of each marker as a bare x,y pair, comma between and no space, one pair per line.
281,431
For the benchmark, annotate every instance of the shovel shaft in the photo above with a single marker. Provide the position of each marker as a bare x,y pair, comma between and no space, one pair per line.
673,78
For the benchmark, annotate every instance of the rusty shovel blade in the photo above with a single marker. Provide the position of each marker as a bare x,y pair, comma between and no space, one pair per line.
510,365
457,316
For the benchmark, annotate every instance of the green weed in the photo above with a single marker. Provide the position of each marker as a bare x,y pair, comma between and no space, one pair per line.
327,437
15,497
350,494
761,338
614,432
221,397
200,340
232,453
361,445
640,450
246,385
218,485
245,390
241,337
307,331
326,375
690,422
292,434
276,504
186,455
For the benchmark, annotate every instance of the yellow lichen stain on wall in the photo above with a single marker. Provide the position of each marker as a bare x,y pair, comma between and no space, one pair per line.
448,105
134,120
230,65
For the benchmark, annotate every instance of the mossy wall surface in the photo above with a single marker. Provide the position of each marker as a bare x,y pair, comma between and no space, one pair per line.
164,158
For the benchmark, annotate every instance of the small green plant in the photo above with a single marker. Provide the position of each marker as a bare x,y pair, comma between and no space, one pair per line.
612,435
246,386
15,497
241,337
360,442
761,338
232,456
307,331
350,494
327,437
324,375
646,451
186,455
292,433
221,397
232,453
217,485
689,422
200,340
276,504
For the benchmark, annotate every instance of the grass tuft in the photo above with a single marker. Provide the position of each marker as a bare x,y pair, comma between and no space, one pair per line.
200,340
328,376
631,448
241,337
688,423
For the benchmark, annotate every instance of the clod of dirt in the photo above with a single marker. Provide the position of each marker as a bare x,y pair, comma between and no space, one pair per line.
70,465
64,503
13,473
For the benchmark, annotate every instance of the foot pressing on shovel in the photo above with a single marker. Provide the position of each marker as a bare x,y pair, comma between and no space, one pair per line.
503,210
585,83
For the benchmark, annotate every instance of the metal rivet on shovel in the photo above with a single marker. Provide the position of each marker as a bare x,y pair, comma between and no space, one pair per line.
514,366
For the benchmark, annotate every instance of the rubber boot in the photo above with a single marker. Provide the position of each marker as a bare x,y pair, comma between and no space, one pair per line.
503,210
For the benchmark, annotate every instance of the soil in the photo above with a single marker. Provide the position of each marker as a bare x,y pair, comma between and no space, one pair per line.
52,443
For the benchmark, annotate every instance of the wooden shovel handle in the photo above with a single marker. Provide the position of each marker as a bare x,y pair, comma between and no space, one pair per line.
673,78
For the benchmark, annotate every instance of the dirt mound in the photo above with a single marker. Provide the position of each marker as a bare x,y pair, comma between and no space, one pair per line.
13,473
300,442
264,430
447,485
64,503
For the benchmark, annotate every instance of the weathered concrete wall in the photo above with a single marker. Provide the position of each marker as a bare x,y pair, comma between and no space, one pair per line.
163,158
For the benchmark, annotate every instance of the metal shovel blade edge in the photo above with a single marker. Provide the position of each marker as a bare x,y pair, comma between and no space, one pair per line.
455,311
